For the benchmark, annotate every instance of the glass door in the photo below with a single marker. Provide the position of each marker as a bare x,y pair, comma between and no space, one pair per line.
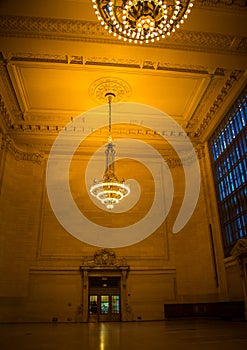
109,304
104,299
93,304
104,304
109,308
115,304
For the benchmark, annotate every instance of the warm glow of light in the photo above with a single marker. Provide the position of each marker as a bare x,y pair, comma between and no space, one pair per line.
142,20
109,191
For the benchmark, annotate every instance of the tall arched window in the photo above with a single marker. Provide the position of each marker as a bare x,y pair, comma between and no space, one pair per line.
228,146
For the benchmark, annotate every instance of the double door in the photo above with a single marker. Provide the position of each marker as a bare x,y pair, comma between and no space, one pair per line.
104,299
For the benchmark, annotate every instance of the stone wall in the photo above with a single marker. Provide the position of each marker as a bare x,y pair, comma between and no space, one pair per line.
40,261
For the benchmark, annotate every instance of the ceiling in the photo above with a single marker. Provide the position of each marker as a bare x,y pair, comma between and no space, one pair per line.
57,62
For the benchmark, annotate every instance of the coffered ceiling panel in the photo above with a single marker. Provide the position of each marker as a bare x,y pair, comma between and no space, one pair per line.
46,88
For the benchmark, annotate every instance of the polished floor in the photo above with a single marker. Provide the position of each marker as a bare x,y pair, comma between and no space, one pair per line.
162,335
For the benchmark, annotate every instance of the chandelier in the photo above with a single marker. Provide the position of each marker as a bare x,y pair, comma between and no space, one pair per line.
141,21
109,191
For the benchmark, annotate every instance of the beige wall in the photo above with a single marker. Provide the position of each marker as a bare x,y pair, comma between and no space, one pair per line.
234,280
21,184
40,261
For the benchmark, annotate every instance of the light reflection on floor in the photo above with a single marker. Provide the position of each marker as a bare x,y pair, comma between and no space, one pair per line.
162,335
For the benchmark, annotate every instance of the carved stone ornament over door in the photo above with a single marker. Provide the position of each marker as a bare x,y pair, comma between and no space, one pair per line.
104,263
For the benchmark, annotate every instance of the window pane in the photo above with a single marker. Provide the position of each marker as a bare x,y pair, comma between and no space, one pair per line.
93,304
104,305
115,308
228,147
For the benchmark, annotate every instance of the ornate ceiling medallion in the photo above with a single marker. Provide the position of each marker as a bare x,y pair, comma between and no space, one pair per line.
101,87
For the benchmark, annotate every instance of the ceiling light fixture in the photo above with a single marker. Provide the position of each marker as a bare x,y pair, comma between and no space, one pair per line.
142,21
109,191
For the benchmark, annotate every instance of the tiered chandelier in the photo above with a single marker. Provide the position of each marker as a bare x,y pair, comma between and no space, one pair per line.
109,191
141,21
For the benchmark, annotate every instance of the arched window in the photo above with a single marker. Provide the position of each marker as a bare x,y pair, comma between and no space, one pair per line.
228,146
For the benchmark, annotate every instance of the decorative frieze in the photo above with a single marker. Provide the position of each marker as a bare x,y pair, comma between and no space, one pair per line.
174,162
4,114
226,4
180,68
9,146
66,29
107,62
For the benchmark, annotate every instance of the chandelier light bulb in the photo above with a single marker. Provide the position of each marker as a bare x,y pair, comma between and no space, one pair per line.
138,19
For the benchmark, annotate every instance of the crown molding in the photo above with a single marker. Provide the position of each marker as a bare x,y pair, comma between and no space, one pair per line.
215,106
74,30
109,61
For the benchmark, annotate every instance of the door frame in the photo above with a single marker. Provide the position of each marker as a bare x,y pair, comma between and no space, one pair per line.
104,264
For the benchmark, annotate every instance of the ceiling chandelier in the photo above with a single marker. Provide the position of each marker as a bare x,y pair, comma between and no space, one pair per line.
141,21
109,191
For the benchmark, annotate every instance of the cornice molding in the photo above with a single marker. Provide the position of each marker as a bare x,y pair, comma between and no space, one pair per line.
74,30
9,146
214,95
218,101
143,64
124,131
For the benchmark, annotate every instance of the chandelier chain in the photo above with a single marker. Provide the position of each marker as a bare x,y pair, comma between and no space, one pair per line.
109,102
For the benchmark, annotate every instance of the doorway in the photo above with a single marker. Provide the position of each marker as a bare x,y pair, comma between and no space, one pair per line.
104,299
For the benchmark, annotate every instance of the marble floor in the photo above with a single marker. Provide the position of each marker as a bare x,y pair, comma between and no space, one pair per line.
162,335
